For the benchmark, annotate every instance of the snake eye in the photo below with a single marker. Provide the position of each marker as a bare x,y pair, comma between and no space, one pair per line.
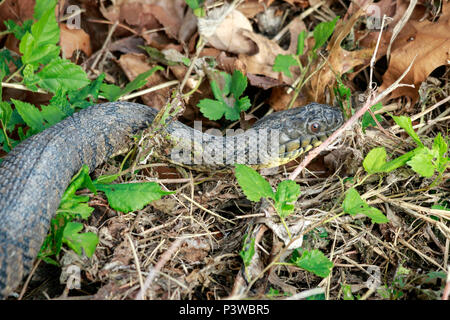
315,127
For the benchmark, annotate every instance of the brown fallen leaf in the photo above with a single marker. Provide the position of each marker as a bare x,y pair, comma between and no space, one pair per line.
134,64
71,40
228,34
339,61
148,14
262,62
429,42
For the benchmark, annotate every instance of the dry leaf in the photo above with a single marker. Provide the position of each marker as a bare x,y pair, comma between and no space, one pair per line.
339,60
71,40
148,14
228,35
429,42
262,62
133,65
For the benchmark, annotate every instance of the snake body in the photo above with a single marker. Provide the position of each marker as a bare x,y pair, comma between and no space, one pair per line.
34,175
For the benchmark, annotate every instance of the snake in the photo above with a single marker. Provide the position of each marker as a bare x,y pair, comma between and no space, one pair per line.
35,174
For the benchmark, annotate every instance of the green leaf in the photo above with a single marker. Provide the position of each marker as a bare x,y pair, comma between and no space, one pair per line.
62,73
322,32
111,92
406,124
39,45
238,84
131,196
140,80
375,160
18,30
213,109
42,7
283,62
30,79
354,204
287,193
367,119
59,100
316,262
248,251
194,4
253,184
241,105
422,163
107,178
440,147
52,114
78,98
301,42
30,114
79,241
80,180
347,292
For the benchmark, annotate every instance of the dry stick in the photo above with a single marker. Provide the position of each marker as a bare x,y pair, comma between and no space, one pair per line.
370,102
25,286
136,261
396,127
105,44
153,271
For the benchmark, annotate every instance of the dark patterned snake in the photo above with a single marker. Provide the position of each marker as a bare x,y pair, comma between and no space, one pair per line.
34,175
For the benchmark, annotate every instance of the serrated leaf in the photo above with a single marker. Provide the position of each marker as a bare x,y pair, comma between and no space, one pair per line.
353,204
111,92
283,62
62,73
287,193
52,114
42,6
252,183
322,32
212,109
80,180
131,196
79,241
39,45
406,124
316,262
238,84
30,114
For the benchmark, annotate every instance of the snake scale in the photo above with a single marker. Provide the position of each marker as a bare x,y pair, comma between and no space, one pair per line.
34,175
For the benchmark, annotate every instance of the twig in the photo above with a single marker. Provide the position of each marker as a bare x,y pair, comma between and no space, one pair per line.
105,45
136,261
25,286
148,90
153,271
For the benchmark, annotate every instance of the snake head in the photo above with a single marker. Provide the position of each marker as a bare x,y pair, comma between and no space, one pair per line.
301,129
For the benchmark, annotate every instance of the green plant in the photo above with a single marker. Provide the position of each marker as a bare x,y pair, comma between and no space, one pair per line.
227,90
126,197
422,160
41,68
256,187
283,63
197,7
